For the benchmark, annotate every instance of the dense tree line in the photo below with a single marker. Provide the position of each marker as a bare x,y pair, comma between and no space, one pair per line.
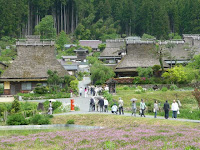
101,19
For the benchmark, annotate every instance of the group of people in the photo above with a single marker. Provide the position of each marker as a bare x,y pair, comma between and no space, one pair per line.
166,107
92,90
98,104
120,108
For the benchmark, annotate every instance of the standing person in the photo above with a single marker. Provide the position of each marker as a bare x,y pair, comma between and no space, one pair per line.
50,112
175,108
166,109
101,103
91,104
96,104
142,107
85,92
96,91
105,105
155,109
81,91
121,104
134,108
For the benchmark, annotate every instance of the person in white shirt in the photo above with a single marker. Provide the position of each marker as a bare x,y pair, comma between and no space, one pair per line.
105,105
114,109
175,109
121,104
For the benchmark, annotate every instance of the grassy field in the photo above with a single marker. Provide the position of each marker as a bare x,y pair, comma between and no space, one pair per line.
188,110
120,132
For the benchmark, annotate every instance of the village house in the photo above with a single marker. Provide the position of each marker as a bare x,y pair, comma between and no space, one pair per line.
113,52
91,43
34,59
139,54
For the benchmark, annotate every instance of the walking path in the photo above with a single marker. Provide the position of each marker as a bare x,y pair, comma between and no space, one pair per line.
83,104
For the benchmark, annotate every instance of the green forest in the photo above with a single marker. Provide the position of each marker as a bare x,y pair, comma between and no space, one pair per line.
101,19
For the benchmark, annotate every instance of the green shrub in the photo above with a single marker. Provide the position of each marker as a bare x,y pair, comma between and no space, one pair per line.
164,89
17,119
70,121
39,119
15,106
126,88
41,89
173,87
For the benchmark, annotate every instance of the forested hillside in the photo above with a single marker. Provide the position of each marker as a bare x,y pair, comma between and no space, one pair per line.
100,19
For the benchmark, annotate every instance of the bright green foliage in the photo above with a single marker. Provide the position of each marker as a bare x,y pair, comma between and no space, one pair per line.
46,28
67,80
17,119
61,40
15,106
195,62
176,74
102,46
101,73
174,36
74,86
145,72
7,55
82,33
92,60
147,37
54,81
39,119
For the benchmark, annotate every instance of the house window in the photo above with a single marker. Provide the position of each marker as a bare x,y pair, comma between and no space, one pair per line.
26,86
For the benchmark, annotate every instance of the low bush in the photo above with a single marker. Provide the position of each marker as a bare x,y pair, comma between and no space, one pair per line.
55,105
70,121
39,119
173,87
17,119
126,88
164,89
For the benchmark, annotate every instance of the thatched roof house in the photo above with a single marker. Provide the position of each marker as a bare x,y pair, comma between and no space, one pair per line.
90,43
34,59
138,55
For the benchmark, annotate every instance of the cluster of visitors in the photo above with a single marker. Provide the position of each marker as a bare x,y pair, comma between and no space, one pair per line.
114,108
166,107
92,90
98,104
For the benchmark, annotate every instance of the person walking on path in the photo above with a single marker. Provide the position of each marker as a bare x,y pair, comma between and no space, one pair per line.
105,105
86,92
121,104
134,108
166,109
155,109
96,102
175,109
81,91
101,103
142,107
91,104
50,112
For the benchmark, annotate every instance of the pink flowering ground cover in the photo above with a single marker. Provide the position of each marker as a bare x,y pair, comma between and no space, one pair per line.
126,137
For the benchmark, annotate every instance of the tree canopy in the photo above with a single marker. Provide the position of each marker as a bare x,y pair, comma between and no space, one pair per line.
101,19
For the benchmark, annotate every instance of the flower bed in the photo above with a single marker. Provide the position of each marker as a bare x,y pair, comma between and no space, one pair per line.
132,136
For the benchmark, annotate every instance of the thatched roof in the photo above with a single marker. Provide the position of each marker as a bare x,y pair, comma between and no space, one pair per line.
138,55
33,62
90,43
112,48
